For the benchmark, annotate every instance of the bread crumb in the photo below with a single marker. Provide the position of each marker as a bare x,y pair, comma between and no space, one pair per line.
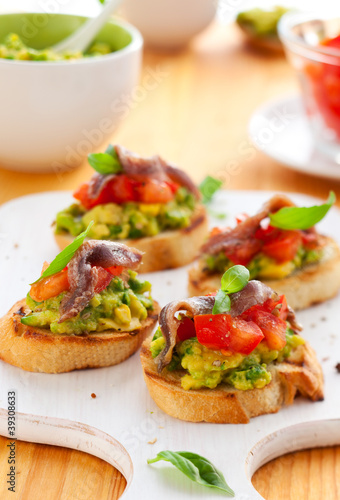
160,427
93,395
152,441
325,359
16,245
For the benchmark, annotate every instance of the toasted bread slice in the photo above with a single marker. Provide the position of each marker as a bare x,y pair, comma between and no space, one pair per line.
40,350
166,250
226,405
313,284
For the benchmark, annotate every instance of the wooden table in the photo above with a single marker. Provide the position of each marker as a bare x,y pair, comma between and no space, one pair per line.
196,116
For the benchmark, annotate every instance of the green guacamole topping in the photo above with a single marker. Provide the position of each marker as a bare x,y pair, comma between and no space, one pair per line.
128,220
121,307
262,23
14,48
207,368
263,267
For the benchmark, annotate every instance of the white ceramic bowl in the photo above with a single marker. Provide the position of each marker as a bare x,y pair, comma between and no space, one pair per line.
54,113
169,24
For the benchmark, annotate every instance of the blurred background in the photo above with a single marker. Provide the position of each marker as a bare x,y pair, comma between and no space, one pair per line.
227,8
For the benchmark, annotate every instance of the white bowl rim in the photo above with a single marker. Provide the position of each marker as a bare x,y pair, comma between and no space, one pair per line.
295,17
135,44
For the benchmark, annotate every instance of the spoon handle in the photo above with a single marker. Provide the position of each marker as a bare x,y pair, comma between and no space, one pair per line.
81,39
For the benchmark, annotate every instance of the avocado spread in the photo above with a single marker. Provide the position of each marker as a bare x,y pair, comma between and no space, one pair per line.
121,307
207,368
14,48
128,220
263,23
264,267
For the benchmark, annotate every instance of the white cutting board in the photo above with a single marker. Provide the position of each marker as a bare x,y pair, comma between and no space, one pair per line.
120,421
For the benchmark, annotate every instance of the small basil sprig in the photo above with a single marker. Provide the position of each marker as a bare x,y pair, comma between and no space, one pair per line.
195,467
233,280
105,163
208,188
301,217
64,257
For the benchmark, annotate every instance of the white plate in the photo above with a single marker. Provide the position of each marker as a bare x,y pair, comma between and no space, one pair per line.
123,408
280,130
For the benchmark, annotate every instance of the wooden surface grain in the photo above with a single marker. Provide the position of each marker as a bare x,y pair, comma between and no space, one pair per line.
304,475
55,473
195,115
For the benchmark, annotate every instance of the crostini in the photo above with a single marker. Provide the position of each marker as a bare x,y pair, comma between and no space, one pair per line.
145,203
226,367
299,263
90,312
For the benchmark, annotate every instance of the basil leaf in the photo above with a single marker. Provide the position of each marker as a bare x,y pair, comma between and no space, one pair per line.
222,303
110,150
208,188
235,279
105,163
197,468
301,217
62,259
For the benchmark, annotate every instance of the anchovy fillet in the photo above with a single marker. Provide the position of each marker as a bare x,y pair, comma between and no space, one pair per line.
231,239
83,273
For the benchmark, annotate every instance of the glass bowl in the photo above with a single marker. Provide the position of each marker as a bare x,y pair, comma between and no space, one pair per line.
318,70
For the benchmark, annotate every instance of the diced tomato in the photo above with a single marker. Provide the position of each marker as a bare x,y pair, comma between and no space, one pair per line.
309,240
49,287
153,191
284,247
267,234
104,279
213,331
214,231
272,327
81,194
122,189
173,186
245,252
241,217
323,88
186,329
269,306
283,311
246,335
221,331
332,42
115,270
52,286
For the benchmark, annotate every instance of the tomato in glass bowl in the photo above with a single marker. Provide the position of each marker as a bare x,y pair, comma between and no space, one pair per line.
312,45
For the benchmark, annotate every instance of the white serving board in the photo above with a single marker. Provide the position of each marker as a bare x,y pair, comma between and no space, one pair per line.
123,412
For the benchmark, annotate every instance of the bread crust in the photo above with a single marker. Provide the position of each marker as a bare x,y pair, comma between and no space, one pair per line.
166,250
311,285
39,350
227,405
